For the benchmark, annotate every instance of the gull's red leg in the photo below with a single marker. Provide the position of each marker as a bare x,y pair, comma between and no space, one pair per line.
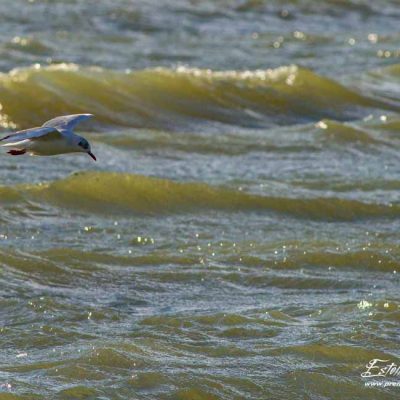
17,152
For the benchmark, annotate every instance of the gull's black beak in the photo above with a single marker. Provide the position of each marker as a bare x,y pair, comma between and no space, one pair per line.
92,155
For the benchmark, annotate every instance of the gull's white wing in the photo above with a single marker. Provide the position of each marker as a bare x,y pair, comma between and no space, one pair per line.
67,122
30,134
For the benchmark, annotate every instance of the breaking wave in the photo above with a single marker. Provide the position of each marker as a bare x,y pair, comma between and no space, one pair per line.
108,193
176,98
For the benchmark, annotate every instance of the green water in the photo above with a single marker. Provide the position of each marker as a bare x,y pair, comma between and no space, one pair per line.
238,237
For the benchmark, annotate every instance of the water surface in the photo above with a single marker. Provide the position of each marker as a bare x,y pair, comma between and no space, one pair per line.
238,237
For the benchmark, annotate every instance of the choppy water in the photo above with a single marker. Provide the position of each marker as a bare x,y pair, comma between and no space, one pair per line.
238,237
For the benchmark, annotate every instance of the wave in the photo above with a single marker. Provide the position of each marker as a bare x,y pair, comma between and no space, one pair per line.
367,258
384,83
108,193
222,144
176,98
343,133
299,138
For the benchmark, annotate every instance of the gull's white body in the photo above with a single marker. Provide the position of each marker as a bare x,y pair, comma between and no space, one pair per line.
50,142
54,137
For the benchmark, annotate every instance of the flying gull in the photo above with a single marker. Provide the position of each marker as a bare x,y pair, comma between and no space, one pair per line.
53,137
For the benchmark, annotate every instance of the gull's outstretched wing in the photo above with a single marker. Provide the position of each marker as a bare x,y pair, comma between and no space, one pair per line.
30,134
67,122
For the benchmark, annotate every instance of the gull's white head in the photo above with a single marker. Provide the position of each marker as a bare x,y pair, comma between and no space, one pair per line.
84,147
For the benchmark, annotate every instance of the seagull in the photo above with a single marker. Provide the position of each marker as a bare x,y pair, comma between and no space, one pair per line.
53,137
